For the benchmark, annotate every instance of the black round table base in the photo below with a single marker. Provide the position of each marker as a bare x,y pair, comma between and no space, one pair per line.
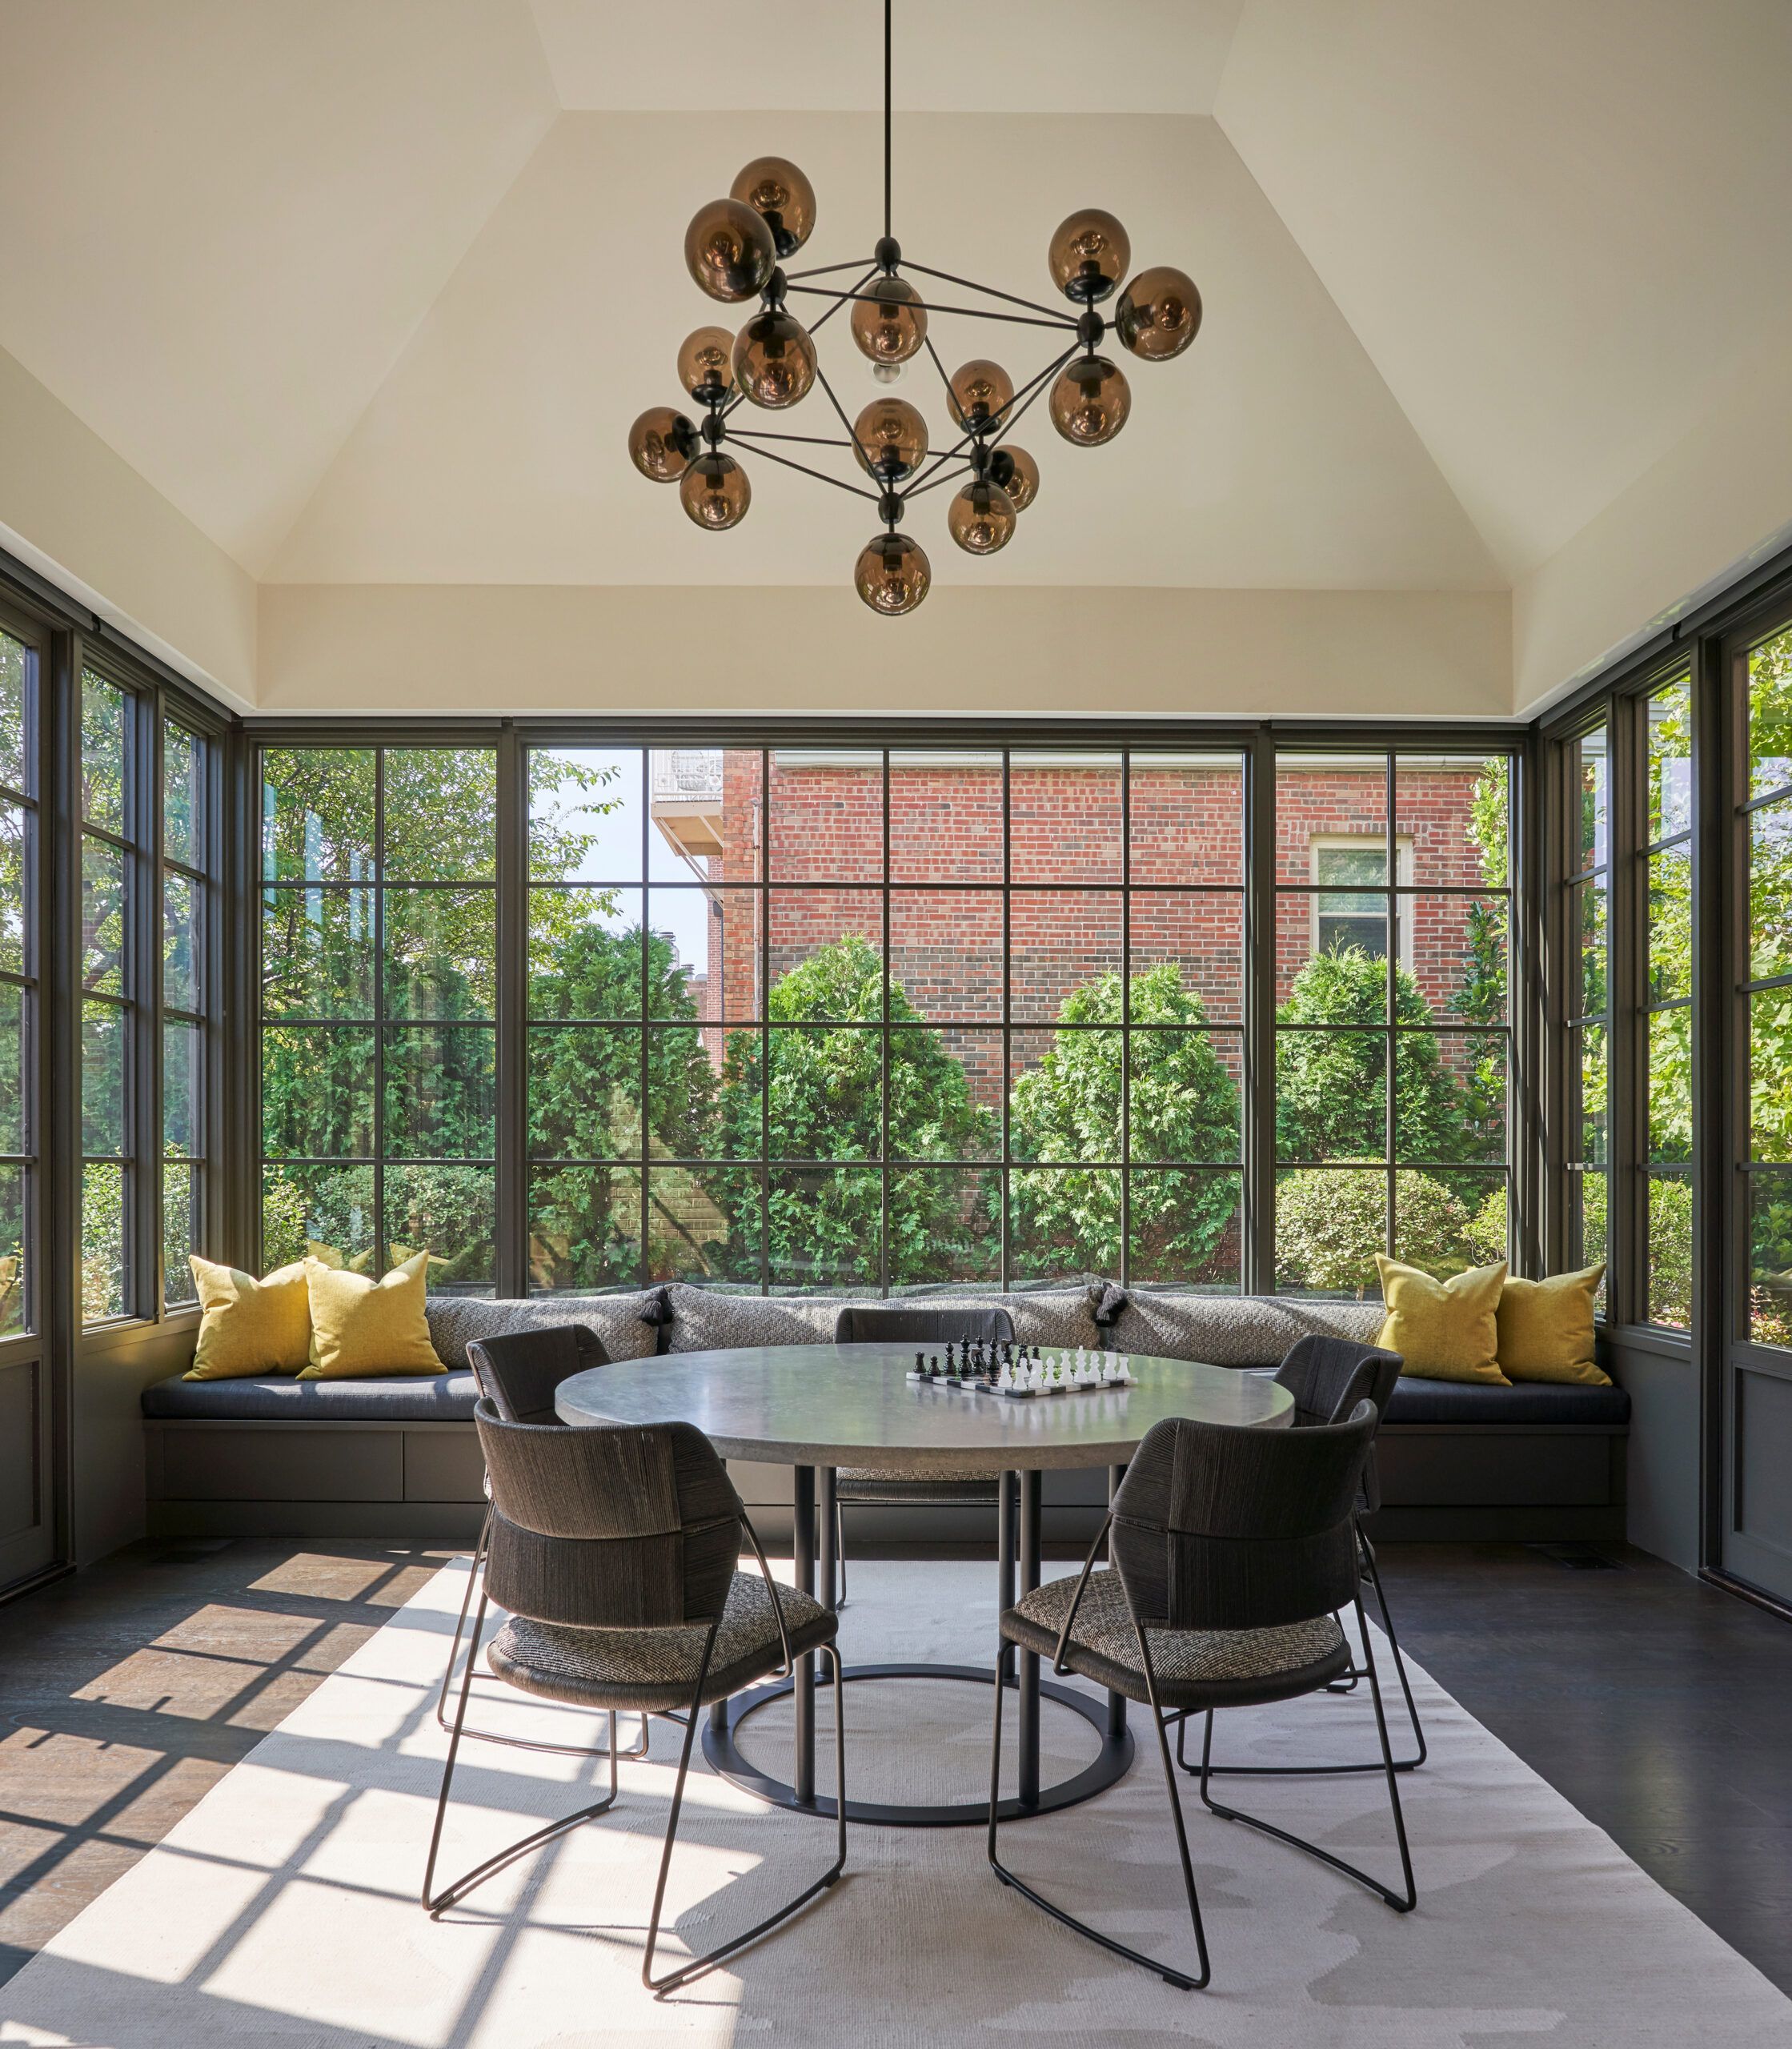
1111,1762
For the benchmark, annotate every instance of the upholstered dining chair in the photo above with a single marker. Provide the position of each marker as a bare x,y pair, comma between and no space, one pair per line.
517,1374
1233,1550
1327,1377
917,1323
614,1551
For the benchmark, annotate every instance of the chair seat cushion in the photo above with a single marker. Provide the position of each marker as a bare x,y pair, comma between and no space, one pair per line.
1527,1402
880,1483
445,1397
1194,1668
653,1669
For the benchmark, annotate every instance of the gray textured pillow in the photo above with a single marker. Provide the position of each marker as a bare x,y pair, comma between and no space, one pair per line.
1234,1330
454,1320
1041,1316
709,1320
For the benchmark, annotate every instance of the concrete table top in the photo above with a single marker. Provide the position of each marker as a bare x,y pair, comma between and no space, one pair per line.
852,1404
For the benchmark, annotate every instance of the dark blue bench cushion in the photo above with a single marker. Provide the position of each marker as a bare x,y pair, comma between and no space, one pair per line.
1528,1402
427,1398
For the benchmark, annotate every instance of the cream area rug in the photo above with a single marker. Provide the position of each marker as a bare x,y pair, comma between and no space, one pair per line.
283,1909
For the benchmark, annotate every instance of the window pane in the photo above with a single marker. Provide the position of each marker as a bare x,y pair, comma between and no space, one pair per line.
1452,820
1771,890
318,814
706,954
180,942
826,809
1770,713
1771,1258
692,1115
317,1092
182,795
451,1213
824,1228
1331,1096
584,1228
1594,778
945,817
703,1225
1450,1096
324,1210
17,827
1670,924
1187,946
1329,1229
585,1091
1186,813
585,805
827,1094
827,956
441,814
1323,797
441,953
1670,761
1588,902
105,1037
104,1236
1670,1051
16,663
15,1312
1187,1228
103,917
1483,1197
946,953
102,763
1670,1250
945,1224
1770,1076
706,815
1064,818
1063,1223
1064,944
1589,1187
1332,964
182,1090
317,954
585,953
1453,959
1588,1144
180,1233
1064,1097
1187,1091
945,1094
15,1073
441,1092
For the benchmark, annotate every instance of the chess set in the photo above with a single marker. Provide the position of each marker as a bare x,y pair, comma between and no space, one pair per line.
1021,1373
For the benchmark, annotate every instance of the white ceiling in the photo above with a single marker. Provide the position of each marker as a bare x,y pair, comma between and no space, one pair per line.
370,292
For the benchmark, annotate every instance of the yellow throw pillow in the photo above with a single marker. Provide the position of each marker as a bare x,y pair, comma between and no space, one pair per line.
1443,1329
249,1326
363,1329
1546,1329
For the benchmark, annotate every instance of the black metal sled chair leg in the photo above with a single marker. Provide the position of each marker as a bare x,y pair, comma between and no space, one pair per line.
698,1964
1403,1903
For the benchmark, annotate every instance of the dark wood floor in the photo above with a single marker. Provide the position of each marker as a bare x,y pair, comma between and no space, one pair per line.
1663,1709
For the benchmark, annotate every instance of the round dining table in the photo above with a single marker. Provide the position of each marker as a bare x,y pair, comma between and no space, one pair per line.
817,1408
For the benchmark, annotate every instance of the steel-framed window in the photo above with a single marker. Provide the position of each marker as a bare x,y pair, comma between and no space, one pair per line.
1586,922
187,913
22,653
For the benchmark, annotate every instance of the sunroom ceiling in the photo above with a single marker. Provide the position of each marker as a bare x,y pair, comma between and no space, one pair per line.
370,293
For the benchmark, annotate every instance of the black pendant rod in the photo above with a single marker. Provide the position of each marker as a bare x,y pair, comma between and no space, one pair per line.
838,483
840,299
970,284
814,440
998,421
951,476
828,270
871,467
886,119
924,306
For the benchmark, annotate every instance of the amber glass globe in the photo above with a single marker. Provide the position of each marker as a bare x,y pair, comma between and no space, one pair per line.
892,575
1159,313
728,249
1090,254
653,444
890,439
1019,477
889,325
782,197
706,364
714,491
1090,401
980,391
980,518
774,359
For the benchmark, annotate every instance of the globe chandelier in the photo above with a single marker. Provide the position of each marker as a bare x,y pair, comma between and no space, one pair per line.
735,249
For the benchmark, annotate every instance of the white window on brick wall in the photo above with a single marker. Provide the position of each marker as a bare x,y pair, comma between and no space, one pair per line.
1349,906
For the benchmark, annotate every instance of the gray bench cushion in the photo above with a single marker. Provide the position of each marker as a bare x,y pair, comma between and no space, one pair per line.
1229,1330
1529,1402
712,1319
619,1320
276,1398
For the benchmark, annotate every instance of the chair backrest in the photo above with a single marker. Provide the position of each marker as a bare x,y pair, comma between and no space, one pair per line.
920,1323
518,1372
611,1526
1217,1527
1327,1377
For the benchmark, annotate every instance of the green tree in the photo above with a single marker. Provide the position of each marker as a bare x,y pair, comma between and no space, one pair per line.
1184,1106
823,1102
1329,1227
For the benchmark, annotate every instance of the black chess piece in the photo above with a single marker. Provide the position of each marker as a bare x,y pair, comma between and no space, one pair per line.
933,1365
920,1363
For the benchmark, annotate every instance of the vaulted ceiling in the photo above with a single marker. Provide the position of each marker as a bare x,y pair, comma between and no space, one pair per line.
369,293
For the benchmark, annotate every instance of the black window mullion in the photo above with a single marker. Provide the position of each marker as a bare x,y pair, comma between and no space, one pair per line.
1391,994
379,879
764,865
511,1168
1004,1174
1261,938
1125,1017
642,1193
883,1053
